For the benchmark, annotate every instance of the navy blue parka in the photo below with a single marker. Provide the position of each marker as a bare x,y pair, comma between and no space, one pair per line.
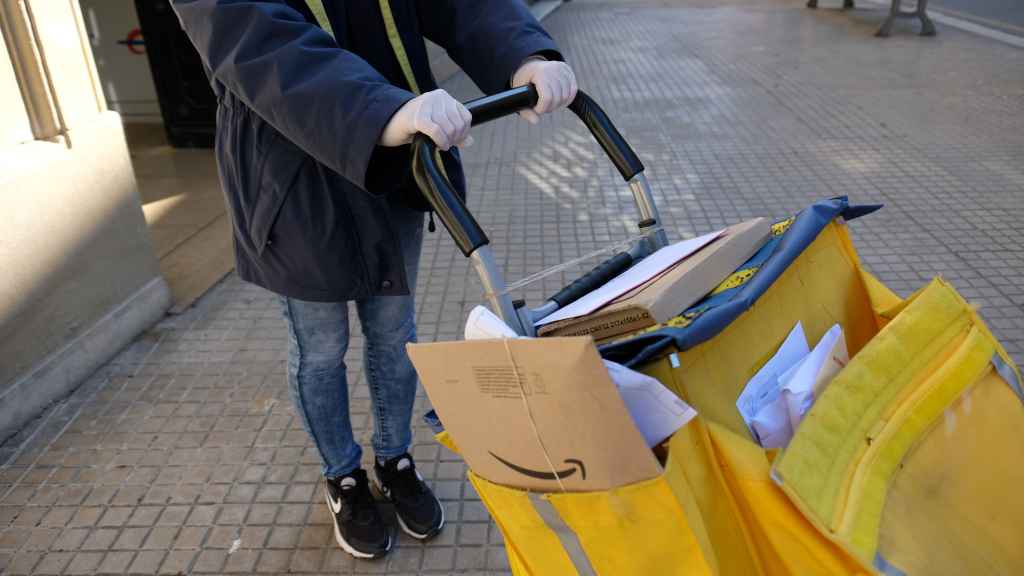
300,113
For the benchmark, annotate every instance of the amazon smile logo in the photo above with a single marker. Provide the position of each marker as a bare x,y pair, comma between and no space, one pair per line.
575,465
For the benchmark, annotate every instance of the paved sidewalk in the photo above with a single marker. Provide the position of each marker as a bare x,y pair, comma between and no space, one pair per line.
183,455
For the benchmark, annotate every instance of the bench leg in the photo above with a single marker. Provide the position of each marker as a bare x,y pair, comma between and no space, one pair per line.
921,12
847,4
927,27
894,13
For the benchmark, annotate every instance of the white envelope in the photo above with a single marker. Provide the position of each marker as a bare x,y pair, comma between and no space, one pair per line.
483,324
763,389
785,405
771,424
656,411
802,385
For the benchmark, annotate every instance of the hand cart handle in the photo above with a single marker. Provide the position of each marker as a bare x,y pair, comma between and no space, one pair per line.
449,207
614,145
597,277
453,213
472,241
495,106
607,135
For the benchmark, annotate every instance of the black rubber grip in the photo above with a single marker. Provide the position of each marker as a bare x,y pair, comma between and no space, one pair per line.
439,193
594,279
502,104
614,145
607,135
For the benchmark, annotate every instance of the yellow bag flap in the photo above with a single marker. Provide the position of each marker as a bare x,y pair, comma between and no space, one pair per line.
638,529
537,549
445,439
883,300
786,542
955,505
839,465
694,475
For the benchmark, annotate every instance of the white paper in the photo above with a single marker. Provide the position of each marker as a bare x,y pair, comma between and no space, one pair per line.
656,411
483,324
802,385
763,389
771,424
785,404
640,273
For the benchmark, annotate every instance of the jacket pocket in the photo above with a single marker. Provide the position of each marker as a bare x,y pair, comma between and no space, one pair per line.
278,169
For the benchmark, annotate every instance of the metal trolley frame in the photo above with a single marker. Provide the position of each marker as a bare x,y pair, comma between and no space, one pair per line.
472,240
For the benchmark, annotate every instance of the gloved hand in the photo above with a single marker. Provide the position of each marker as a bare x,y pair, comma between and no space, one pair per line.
443,118
555,83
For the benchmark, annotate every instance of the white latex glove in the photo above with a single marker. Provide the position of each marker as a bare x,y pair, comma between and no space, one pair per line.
555,83
443,118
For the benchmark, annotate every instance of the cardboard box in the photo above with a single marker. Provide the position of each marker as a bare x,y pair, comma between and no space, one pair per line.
672,292
538,414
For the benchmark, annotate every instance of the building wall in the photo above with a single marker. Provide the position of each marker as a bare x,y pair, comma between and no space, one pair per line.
79,275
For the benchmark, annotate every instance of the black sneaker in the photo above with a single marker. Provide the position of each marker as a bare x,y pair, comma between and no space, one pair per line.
358,526
419,513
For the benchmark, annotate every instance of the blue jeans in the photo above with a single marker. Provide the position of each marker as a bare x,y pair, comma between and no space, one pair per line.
317,378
